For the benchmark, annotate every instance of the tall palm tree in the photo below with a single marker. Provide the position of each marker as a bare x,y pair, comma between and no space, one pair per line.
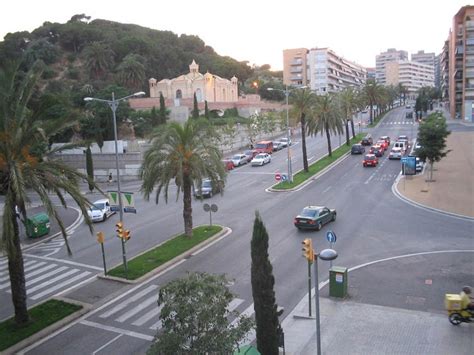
302,101
349,105
371,92
131,72
99,58
402,92
185,154
25,163
326,118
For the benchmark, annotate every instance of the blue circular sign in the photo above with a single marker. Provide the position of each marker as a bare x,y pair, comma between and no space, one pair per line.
331,237
284,177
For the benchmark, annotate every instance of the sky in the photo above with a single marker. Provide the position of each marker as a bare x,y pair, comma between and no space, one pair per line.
258,31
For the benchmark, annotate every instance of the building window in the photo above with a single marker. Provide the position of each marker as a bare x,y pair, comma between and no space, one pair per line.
179,94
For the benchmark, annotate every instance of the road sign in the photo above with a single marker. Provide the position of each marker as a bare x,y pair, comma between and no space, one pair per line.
206,207
284,177
214,207
331,237
277,176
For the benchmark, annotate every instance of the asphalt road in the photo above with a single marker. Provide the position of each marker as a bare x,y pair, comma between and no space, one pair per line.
372,224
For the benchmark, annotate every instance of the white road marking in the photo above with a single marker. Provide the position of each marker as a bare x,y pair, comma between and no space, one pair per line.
107,344
141,306
61,285
64,262
117,330
148,316
50,281
124,304
327,189
45,276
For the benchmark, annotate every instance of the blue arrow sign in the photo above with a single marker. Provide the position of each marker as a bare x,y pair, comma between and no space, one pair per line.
331,237
284,177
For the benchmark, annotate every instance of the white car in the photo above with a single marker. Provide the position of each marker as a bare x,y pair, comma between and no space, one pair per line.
100,210
261,159
285,142
395,153
239,159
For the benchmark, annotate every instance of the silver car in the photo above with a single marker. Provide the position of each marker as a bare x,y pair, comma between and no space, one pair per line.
239,159
395,153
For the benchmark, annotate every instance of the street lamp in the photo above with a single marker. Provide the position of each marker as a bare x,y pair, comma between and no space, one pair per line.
113,104
287,93
328,255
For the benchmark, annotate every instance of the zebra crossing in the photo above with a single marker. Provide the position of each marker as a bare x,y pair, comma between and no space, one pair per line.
138,314
44,278
397,123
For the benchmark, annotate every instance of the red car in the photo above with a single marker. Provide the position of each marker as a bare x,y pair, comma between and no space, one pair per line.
370,160
377,150
383,143
228,164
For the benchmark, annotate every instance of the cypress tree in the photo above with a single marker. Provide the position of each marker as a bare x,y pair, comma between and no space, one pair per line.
195,107
266,315
89,168
163,113
206,110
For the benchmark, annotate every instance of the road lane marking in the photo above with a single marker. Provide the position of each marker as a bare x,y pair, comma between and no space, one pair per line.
117,330
64,261
62,284
124,304
140,307
107,344
327,189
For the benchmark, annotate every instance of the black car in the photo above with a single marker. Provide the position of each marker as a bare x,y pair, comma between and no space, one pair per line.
208,188
357,149
367,141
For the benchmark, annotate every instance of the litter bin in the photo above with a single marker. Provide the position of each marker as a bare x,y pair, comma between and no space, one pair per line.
338,282
37,225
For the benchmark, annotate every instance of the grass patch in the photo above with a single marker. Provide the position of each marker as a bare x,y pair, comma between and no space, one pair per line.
319,165
144,263
41,316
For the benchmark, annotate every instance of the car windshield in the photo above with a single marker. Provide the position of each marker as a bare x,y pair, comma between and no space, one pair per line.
236,157
309,212
260,156
261,146
206,183
98,206
369,158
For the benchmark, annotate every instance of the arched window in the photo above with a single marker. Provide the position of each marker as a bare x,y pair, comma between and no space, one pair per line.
179,94
198,95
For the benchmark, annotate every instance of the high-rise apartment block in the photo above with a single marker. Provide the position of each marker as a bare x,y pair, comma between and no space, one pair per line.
459,60
412,75
391,55
321,69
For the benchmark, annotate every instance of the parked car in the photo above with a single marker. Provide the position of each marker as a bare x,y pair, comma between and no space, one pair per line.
250,154
383,143
100,210
285,141
314,217
228,164
239,159
261,159
277,145
208,188
367,140
395,153
357,149
386,139
419,165
370,160
402,138
264,147
377,150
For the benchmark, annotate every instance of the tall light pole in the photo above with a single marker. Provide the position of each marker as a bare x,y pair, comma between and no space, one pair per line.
113,104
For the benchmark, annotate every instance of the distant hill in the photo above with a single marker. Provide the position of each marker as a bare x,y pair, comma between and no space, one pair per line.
91,55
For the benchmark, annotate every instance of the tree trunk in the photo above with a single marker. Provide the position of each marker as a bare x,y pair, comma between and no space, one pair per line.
328,136
371,113
303,142
347,132
353,130
17,276
187,207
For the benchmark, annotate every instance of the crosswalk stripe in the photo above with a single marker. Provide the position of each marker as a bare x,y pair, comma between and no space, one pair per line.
7,277
124,304
248,312
45,276
51,281
25,263
39,271
61,285
149,315
234,304
157,325
141,306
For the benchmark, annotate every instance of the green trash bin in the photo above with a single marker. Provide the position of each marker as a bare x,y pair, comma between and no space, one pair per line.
37,225
338,282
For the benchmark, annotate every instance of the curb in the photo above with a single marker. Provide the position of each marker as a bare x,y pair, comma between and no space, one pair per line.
223,233
51,328
405,199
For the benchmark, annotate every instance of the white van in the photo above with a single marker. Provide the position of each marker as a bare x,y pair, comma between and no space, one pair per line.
402,145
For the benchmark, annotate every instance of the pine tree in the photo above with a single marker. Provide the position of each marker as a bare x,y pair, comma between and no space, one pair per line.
90,168
195,107
266,315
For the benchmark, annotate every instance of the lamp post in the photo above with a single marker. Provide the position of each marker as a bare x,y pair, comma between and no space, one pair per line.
326,254
113,104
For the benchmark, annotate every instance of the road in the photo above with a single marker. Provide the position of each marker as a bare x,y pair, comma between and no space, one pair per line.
372,224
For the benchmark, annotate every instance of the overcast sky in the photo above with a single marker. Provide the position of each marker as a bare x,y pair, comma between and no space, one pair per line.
258,30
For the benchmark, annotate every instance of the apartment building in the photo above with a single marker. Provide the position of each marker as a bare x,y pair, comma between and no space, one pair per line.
295,67
461,65
412,75
321,69
444,72
424,58
391,55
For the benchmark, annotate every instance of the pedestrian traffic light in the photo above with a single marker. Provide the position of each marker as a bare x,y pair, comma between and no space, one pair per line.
308,251
126,235
119,229
100,237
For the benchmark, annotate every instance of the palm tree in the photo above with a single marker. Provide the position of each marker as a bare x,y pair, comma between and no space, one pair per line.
302,101
26,164
185,154
326,118
371,93
131,72
349,105
99,58
402,92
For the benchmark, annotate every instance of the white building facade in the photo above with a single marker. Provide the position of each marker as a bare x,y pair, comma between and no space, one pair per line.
412,75
391,55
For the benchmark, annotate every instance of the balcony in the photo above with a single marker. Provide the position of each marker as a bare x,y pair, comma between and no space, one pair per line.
296,62
296,70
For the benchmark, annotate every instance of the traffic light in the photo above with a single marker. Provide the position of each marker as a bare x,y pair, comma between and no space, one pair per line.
308,251
126,235
119,229
100,237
